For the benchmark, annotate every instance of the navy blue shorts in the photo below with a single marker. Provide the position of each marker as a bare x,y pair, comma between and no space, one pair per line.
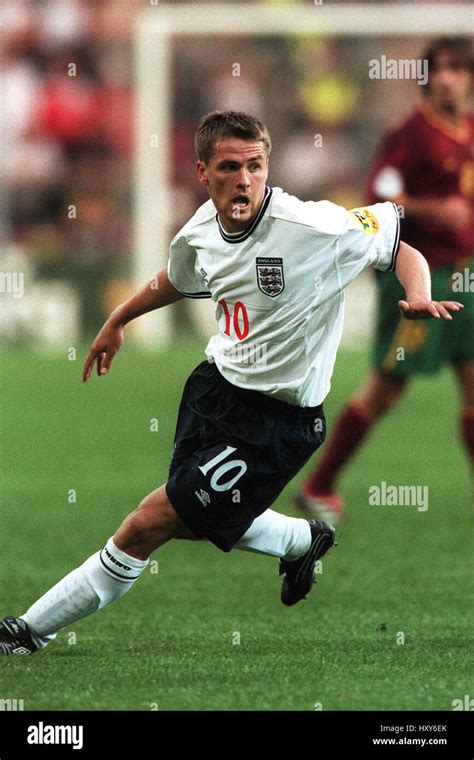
234,452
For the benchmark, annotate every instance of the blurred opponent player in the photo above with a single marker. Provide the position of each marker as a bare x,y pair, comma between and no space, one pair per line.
251,415
427,166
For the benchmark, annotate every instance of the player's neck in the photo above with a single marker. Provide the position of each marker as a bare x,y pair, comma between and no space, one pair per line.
238,229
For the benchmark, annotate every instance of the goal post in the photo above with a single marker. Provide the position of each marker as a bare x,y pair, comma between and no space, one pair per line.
158,25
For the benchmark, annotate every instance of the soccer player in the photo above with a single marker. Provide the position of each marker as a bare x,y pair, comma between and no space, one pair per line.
251,414
427,166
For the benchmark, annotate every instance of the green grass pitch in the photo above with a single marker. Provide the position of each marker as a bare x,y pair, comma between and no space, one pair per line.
172,642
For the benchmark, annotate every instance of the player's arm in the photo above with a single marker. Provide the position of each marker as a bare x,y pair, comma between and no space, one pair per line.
414,274
157,293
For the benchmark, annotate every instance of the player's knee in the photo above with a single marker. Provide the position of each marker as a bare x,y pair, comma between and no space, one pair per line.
141,529
154,515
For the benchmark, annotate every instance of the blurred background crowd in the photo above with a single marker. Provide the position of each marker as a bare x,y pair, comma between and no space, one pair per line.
67,123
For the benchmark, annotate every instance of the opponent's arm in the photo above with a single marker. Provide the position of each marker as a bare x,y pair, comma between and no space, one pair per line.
414,274
453,211
156,293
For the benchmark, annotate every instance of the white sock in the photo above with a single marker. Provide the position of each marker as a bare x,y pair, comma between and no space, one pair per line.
101,579
278,535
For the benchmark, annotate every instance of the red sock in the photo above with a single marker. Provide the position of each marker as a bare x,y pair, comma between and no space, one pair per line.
351,427
467,431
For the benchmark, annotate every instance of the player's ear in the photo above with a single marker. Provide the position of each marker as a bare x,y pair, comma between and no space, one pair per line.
202,172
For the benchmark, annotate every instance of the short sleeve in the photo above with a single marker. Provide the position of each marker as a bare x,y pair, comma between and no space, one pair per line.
182,269
371,238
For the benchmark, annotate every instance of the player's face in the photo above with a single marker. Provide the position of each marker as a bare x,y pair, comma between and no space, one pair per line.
235,177
450,83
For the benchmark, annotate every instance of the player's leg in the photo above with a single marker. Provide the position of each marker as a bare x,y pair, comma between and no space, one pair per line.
459,338
150,525
277,535
461,354
298,543
105,576
465,375
379,393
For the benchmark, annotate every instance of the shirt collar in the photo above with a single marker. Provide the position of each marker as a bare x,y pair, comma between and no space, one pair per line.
239,237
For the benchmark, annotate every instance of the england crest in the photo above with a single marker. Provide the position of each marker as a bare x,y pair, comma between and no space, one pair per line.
270,277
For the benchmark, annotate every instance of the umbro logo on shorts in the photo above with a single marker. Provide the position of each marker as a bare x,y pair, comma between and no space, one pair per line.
203,497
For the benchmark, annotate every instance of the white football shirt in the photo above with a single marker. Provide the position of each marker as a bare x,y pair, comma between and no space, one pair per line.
279,286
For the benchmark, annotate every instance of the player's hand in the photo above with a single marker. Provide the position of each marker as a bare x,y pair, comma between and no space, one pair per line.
103,350
428,309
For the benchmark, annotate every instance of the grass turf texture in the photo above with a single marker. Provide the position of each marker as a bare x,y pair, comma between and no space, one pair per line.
171,640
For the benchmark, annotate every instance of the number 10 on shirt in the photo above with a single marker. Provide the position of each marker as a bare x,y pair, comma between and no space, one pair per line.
239,319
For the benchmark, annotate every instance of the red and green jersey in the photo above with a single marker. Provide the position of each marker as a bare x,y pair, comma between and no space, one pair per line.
426,156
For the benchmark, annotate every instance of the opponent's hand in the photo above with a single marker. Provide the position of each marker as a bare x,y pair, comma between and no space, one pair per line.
428,309
103,350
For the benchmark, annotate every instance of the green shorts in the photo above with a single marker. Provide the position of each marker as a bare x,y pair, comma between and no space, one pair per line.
405,347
